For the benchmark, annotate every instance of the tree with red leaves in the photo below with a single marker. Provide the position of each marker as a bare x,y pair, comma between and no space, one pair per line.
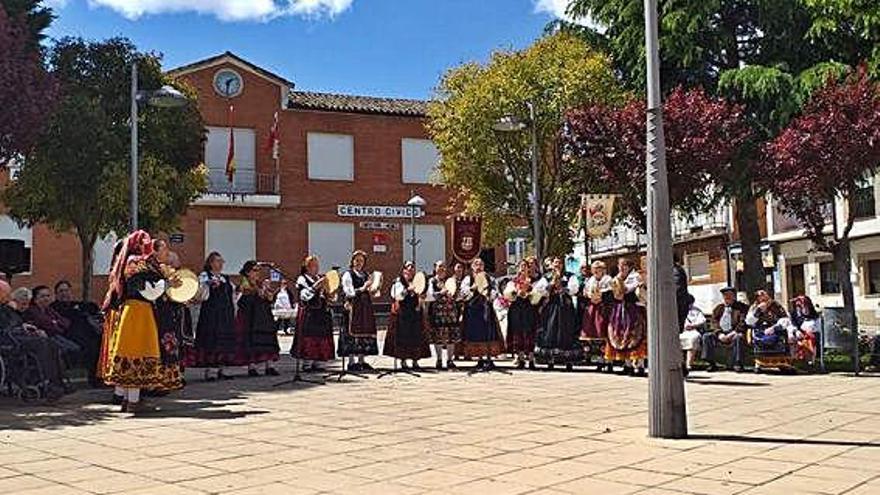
607,146
823,155
27,90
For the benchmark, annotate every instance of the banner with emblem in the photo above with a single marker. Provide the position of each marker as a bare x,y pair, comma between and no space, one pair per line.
466,237
598,212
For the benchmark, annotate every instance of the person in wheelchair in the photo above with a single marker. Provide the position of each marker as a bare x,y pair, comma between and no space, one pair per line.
29,340
768,322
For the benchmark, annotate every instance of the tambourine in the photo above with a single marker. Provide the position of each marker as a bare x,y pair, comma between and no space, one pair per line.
510,291
185,288
451,286
376,284
419,283
481,282
331,281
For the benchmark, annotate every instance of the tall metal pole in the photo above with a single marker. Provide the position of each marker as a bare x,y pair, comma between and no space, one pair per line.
134,147
667,415
536,191
412,239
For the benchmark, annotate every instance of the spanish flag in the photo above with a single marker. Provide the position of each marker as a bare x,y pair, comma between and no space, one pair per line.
230,154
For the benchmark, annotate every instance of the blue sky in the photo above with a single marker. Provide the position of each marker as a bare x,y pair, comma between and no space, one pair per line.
372,47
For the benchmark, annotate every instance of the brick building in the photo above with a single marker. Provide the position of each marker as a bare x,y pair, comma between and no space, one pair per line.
345,168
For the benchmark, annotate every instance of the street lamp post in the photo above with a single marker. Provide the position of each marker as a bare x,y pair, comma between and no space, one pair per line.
667,415
166,97
416,203
512,123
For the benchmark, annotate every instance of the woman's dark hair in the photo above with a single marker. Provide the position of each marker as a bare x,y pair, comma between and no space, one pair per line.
211,257
248,267
62,282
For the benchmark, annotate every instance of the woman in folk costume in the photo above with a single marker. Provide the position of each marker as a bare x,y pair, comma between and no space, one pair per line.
358,337
254,321
133,355
522,317
482,333
169,314
406,337
627,324
313,340
558,338
444,316
600,299
111,314
216,344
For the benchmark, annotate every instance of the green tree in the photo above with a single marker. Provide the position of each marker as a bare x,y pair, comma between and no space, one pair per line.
76,179
491,170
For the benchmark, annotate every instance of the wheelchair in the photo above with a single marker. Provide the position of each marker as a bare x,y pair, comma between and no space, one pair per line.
21,375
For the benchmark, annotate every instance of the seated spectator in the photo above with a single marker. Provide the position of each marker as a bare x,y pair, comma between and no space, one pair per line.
692,335
41,315
85,326
769,323
728,327
802,330
20,300
32,341
283,307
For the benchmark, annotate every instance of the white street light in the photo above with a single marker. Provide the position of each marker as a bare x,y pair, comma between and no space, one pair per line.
165,97
512,123
416,203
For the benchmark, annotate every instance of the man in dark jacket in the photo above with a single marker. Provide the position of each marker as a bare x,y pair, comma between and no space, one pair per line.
728,328
683,299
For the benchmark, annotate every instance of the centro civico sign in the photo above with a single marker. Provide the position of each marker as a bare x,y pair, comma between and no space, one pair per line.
378,211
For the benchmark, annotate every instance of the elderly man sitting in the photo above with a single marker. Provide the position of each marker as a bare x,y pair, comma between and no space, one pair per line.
728,328
32,341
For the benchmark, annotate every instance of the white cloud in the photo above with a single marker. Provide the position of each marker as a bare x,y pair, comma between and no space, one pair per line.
227,10
557,9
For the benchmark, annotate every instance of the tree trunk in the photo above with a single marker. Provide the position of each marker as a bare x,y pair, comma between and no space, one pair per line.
750,238
87,244
843,261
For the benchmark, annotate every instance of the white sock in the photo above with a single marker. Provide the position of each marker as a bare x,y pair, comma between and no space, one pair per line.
134,395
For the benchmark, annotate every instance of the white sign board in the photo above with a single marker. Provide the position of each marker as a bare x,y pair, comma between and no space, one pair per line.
378,211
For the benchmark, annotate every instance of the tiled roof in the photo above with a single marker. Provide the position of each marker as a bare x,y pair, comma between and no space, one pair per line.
356,104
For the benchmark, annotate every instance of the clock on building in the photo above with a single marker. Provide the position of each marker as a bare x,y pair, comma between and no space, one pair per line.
228,83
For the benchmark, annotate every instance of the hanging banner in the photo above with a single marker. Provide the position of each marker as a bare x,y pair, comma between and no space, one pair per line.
466,237
598,210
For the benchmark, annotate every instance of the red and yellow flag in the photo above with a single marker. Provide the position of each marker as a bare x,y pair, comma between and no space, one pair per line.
230,154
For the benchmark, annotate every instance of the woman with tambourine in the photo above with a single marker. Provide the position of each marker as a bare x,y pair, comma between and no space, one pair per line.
406,337
358,336
313,340
559,337
254,320
482,333
522,316
444,317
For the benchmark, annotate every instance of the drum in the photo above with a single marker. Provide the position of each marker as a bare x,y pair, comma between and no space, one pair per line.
331,279
184,286
451,286
419,283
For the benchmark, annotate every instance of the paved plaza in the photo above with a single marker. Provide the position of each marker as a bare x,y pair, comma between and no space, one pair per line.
548,433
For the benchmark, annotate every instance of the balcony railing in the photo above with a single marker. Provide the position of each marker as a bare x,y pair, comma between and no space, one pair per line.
244,182
623,238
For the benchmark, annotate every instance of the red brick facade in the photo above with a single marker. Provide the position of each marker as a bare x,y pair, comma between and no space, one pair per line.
282,232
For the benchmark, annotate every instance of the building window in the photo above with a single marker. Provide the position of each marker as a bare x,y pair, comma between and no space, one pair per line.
10,230
420,159
330,156
862,201
332,242
516,252
697,266
431,248
236,240
102,255
873,276
797,282
245,155
828,278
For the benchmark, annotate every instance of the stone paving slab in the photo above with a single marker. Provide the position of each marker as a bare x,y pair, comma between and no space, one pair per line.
550,433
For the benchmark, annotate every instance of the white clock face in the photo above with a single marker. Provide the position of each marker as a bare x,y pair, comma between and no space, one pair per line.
227,83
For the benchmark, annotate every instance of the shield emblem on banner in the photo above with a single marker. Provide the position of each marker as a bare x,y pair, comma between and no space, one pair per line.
466,237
